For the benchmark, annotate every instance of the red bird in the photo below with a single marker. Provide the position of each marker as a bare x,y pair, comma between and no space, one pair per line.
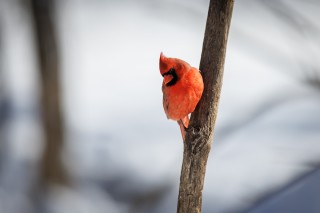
182,88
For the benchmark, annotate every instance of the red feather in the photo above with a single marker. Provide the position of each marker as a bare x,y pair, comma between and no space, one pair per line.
182,89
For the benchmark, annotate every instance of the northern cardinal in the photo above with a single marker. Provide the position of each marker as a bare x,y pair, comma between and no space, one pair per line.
182,88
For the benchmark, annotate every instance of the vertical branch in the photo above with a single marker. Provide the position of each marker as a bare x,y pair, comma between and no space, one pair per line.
52,170
200,132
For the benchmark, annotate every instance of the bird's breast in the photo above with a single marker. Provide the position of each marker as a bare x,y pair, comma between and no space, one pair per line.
181,99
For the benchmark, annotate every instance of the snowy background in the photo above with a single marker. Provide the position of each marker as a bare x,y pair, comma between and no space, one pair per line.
122,153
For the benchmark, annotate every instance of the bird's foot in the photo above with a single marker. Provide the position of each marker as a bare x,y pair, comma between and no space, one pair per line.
183,129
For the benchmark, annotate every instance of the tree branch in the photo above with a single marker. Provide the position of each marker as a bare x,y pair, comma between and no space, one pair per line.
200,132
52,170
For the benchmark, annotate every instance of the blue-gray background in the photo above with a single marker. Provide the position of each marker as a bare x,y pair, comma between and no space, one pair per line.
122,153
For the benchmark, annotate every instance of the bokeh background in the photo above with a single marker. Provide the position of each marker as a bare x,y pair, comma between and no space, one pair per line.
120,152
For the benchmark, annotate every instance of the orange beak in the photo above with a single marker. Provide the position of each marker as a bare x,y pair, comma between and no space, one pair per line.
167,78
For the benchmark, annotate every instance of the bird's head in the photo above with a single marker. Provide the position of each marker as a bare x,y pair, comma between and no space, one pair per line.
172,69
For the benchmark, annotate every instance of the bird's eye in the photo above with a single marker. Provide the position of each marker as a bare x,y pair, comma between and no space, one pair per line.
171,71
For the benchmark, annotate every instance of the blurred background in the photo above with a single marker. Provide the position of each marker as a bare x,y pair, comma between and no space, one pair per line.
104,144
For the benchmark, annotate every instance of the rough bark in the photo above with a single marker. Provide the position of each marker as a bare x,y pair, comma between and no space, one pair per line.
52,170
200,132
